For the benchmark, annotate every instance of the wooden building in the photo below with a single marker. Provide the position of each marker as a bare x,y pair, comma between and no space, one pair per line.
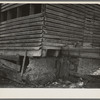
43,30
36,28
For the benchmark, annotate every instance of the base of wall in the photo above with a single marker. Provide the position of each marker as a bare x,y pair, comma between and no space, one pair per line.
48,69
40,70
43,70
88,66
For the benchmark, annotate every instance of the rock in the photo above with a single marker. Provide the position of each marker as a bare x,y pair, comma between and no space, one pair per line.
72,86
68,82
55,83
40,71
88,66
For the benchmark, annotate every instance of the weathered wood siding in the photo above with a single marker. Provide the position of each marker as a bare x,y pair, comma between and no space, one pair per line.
58,25
22,33
69,24
7,6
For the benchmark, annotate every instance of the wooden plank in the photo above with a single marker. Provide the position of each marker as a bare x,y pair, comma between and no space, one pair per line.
96,36
33,32
65,42
10,6
52,47
81,49
69,19
3,4
23,64
64,23
65,9
85,55
31,53
53,44
10,74
3,24
67,34
61,37
28,21
83,9
10,58
20,48
96,33
10,65
62,30
74,18
35,16
93,8
59,25
55,40
21,45
74,39
21,37
64,14
6,27
22,29
22,41
55,37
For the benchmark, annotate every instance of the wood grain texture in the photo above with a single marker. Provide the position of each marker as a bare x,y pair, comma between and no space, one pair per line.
57,26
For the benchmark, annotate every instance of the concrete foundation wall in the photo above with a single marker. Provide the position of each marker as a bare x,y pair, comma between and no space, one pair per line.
40,70
43,70
88,66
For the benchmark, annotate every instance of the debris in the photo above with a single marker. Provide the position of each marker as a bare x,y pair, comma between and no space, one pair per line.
97,72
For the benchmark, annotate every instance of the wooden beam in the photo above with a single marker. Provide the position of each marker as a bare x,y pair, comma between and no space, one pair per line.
82,53
23,65
10,65
31,53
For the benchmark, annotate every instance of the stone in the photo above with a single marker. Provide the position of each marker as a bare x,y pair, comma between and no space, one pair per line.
88,66
40,70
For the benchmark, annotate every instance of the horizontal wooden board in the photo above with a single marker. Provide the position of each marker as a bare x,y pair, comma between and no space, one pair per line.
21,45
22,40
20,48
31,32
33,16
52,23
7,24
64,14
21,37
83,9
10,6
11,27
62,37
61,30
22,29
10,65
53,44
68,19
66,34
64,9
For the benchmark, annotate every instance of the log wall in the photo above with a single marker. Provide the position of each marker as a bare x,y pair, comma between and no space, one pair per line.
57,26
22,33
72,24
7,6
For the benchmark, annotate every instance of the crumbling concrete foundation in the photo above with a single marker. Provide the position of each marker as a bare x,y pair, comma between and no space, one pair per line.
88,66
40,70
47,69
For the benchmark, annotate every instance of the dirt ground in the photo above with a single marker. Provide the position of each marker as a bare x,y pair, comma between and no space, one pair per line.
6,83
